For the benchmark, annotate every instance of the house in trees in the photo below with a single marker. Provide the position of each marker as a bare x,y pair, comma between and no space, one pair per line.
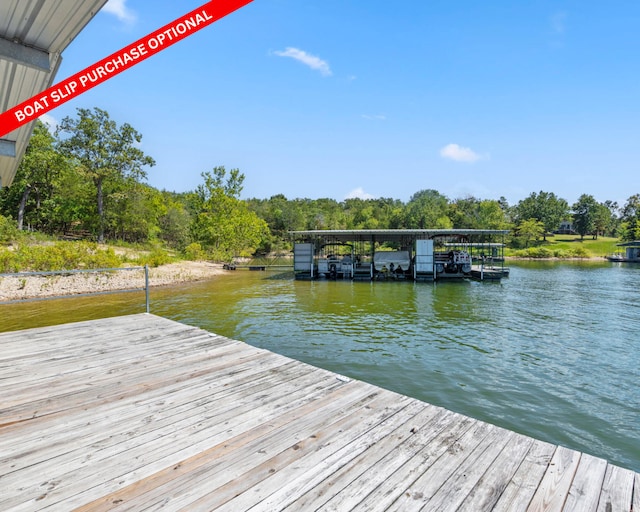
565,228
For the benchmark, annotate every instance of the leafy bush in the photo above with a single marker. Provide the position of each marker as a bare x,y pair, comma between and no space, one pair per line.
220,255
103,257
8,230
155,258
58,256
546,252
579,252
194,252
42,258
534,252
8,261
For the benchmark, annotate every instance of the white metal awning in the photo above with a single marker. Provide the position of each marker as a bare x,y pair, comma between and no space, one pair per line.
390,235
33,35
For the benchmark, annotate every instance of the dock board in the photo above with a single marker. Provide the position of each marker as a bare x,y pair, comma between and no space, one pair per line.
144,413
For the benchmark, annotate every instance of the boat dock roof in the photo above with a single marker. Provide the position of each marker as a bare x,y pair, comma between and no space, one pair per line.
140,413
391,235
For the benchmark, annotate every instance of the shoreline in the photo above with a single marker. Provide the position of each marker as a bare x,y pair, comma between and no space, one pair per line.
15,288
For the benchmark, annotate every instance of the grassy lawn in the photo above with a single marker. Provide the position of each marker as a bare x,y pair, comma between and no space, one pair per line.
600,247
567,246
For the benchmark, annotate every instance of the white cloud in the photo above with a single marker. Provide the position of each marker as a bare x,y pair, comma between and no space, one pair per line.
315,63
358,193
120,10
50,121
460,154
377,117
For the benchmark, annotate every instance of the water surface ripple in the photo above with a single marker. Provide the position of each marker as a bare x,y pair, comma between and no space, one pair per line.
550,352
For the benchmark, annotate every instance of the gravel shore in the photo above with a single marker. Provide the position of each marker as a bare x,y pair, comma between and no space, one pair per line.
26,287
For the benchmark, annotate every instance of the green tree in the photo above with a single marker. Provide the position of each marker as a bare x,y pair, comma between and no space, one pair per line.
630,219
507,210
464,213
603,220
134,211
585,212
176,221
224,224
104,152
73,206
217,181
37,180
545,207
631,208
427,209
8,230
283,215
473,213
388,211
326,213
613,222
491,215
630,230
530,229
361,214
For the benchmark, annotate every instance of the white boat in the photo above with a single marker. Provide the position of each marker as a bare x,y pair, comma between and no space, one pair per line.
391,261
631,254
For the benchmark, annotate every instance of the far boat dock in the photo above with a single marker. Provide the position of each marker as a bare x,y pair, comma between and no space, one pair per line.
631,254
144,413
399,254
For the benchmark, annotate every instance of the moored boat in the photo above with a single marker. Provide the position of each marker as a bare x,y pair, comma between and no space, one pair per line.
631,254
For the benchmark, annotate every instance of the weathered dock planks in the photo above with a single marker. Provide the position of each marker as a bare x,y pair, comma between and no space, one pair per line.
143,413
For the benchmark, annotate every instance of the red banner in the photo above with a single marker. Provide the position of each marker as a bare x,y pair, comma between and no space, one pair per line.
117,62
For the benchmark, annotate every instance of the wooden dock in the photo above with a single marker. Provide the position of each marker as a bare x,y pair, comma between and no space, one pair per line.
143,413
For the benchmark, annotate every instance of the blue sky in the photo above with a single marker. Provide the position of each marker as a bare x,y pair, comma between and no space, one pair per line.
371,98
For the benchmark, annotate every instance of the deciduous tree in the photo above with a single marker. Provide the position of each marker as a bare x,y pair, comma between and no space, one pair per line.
224,224
545,207
585,211
103,151
630,218
36,182
427,209
530,229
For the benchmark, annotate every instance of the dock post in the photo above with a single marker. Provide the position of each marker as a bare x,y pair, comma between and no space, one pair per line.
146,286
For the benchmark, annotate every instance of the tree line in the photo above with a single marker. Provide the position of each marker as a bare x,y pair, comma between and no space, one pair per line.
88,180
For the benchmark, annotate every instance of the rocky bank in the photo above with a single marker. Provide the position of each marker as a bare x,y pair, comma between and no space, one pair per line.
25,287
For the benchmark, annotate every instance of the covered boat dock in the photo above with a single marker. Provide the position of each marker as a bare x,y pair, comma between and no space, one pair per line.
631,254
399,254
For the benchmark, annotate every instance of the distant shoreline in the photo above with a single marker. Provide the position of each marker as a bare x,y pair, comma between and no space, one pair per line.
30,287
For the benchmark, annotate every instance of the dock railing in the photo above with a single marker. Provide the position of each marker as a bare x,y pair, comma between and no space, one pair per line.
23,276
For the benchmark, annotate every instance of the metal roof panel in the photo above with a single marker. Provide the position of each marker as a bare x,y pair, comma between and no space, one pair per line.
48,26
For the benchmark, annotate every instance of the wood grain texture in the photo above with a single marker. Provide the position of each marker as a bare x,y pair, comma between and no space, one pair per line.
143,413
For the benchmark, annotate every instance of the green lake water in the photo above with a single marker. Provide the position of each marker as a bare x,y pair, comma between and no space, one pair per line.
551,352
